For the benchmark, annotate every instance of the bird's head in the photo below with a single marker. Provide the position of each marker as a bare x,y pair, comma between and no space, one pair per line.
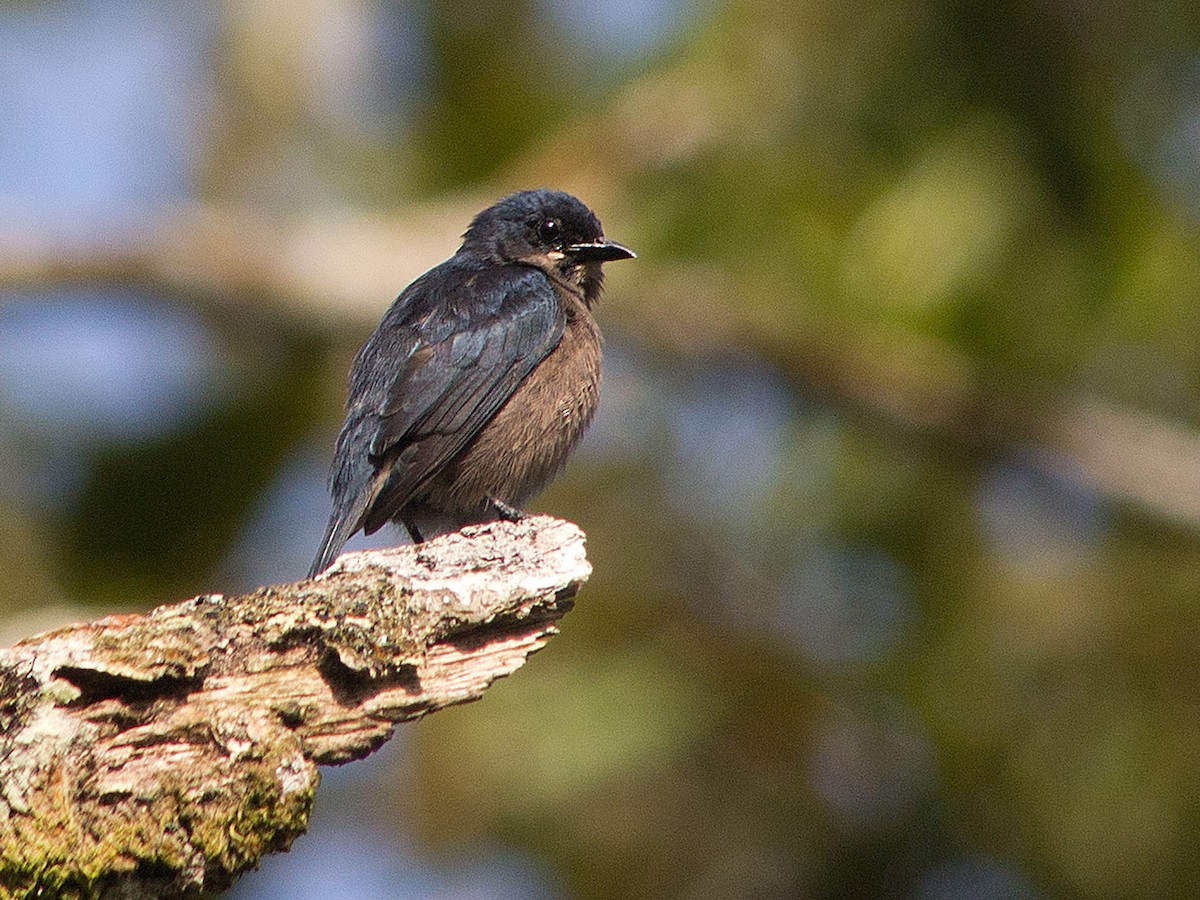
550,230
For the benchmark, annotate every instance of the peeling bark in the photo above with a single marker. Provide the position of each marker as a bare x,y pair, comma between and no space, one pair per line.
162,755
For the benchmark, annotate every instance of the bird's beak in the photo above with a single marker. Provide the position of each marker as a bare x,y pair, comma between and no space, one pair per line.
600,251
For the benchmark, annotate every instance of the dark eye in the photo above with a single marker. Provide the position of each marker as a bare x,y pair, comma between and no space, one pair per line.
549,231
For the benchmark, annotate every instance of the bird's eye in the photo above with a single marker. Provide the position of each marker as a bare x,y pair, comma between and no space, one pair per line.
550,232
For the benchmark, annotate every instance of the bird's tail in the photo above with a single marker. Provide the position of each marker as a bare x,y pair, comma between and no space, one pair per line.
336,535
350,486
342,525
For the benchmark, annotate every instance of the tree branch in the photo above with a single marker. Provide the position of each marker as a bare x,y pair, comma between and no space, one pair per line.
337,273
164,754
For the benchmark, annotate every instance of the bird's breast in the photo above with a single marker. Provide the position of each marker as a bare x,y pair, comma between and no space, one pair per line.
529,439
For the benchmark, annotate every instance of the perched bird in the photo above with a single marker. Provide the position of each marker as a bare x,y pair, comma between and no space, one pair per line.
479,381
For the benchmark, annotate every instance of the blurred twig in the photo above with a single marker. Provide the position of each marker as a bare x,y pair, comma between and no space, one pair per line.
1123,454
327,271
158,755
341,272
927,388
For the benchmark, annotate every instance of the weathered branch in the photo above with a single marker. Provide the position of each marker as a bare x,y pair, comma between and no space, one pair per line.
161,755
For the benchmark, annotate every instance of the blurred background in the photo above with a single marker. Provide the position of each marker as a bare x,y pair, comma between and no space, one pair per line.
894,495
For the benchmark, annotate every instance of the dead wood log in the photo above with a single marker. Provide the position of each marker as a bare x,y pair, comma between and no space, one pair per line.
161,755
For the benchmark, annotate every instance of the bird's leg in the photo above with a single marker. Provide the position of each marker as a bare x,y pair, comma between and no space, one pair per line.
506,512
411,527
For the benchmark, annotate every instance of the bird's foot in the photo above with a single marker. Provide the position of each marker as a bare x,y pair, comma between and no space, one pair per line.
506,512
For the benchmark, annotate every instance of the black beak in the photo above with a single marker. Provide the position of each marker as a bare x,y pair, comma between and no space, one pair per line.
600,251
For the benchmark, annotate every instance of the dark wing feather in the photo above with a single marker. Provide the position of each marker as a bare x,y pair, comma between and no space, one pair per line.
467,335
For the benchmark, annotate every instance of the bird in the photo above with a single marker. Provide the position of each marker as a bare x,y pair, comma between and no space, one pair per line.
480,380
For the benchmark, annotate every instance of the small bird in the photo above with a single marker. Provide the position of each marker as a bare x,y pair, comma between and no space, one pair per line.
479,381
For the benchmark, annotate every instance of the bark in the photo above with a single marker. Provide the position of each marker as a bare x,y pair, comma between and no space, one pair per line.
160,755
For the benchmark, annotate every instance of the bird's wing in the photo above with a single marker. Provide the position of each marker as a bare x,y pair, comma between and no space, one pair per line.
467,353
449,353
